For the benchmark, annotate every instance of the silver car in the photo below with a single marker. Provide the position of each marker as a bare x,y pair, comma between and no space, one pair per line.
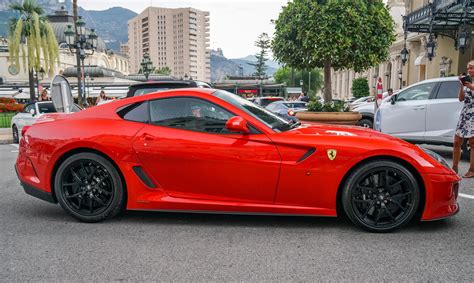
30,114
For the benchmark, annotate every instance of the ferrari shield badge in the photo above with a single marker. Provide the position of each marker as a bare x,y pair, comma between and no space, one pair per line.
332,154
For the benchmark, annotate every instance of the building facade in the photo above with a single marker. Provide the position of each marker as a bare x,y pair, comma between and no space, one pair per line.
447,60
102,57
173,38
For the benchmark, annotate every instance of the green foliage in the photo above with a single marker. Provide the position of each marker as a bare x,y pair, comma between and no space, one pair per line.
339,34
32,30
263,42
360,87
162,71
333,106
283,75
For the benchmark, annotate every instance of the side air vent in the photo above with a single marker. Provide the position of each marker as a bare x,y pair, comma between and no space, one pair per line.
144,177
306,155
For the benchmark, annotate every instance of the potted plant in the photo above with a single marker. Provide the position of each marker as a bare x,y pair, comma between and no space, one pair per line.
328,113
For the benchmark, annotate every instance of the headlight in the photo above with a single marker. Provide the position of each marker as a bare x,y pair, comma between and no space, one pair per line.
436,157
378,120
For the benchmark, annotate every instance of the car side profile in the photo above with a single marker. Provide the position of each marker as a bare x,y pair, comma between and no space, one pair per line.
206,150
426,112
287,109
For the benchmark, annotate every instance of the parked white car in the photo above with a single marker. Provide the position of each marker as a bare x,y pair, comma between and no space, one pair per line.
426,112
30,114
366,109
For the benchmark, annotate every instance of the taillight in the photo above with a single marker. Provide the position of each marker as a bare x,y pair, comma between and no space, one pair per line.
291,113
23,130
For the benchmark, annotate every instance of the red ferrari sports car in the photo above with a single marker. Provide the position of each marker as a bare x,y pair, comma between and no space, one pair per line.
206,150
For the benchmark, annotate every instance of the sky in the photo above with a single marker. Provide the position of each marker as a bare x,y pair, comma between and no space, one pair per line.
235,25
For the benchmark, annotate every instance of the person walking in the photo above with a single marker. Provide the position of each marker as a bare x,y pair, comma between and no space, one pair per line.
44,95
465,127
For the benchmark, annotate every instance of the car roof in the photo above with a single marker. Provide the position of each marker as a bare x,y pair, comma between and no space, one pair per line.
435,80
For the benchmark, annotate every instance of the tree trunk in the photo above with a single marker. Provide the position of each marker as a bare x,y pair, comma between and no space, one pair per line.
327,81
31,79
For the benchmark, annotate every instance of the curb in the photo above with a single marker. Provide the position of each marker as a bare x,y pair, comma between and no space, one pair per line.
6,141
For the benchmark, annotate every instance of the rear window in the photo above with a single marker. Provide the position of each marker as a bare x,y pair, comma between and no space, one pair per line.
265,101
46,108
295,105
448,90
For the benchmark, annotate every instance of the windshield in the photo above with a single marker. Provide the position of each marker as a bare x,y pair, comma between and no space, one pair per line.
295,104
268,118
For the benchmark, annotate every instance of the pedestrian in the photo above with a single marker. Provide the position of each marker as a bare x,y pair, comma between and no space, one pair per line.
44,95
390,92
102,98
304,97
465,127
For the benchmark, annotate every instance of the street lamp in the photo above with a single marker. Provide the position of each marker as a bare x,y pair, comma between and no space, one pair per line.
83,45
147,65
404,55
430,47
463,39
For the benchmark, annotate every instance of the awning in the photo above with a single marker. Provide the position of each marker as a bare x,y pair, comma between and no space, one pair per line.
420,60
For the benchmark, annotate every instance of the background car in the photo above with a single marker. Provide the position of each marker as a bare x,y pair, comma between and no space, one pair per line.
287,109
426,112
366,109
30,114
265,100
154,86
157,152
358,101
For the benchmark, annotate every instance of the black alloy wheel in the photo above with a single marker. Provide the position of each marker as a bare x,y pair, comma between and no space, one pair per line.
16,137
381,196
89,187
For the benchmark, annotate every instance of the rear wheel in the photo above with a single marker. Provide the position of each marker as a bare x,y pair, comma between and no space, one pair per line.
89,188
366,123
16,137
381,196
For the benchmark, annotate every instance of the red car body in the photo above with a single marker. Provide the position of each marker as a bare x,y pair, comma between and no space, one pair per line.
270,172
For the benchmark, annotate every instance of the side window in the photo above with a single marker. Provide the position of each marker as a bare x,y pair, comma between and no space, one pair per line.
419,92
189,114
28,108
137,112
448,90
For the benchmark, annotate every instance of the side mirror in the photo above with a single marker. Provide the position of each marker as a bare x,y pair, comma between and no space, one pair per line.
393,99
237,124
32,112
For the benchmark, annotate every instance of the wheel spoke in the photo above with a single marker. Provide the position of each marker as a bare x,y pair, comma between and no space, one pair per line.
384,177
366,188
399,205
84,168
401,196
94,169
396,183
371,205
75,195
362,200
91,206
71,184
390,214
75,176
98,200
379,214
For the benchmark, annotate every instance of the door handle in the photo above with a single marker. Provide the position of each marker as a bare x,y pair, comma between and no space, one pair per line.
147,137
419,107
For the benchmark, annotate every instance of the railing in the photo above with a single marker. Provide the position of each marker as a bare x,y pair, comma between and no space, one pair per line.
6,119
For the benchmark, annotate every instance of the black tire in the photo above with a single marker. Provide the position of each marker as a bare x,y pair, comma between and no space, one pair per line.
381,196
16,137
89,187
366,123
466,149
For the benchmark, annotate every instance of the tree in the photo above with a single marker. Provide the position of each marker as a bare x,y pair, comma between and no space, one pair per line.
263,42
338,34
360,87
162,71
32,29
283,75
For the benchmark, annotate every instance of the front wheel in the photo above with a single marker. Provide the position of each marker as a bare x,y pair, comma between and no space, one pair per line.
366,123
16,137
381,196
89,187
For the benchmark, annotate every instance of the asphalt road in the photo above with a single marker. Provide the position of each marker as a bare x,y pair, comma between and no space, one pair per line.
38,241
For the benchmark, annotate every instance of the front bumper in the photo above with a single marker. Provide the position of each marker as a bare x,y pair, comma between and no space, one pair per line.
441,196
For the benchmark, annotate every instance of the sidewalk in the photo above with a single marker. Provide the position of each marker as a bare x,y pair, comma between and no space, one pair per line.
6,136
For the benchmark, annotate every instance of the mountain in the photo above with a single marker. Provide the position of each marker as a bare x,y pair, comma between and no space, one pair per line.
110,25
222,67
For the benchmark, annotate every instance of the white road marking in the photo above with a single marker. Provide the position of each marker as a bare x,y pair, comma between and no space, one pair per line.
466,196
14,150
15,145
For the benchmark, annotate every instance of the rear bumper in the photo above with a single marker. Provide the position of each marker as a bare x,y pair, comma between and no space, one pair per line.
36,192
441,196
